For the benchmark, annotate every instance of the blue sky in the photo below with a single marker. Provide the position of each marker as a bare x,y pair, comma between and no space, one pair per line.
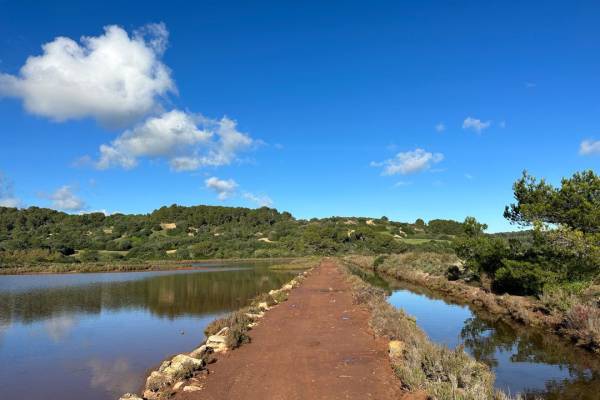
428,109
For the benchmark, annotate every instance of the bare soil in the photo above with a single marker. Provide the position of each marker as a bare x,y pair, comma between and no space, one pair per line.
316,345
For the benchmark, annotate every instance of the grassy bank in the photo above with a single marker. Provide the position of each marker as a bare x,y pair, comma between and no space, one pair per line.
130,266
421,365
575,316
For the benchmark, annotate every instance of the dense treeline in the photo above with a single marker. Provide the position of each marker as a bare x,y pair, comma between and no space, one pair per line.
560,254
176,232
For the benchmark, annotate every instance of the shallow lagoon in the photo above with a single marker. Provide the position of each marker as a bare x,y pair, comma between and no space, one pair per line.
95,336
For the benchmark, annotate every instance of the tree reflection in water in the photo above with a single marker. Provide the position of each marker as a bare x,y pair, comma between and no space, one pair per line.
168,296
528,356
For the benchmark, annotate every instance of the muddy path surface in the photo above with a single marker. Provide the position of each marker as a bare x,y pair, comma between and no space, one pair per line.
316,345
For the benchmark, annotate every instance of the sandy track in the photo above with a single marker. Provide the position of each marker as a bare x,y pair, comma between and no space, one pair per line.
317,345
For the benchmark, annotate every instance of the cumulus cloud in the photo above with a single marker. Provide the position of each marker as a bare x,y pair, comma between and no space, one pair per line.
59,327
260,200
187,141
475,124
65,199
114,77
441,127
224,188
115,376
409,162
589,147
7,196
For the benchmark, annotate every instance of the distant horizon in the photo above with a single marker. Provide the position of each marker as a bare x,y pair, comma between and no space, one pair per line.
517,227
421,110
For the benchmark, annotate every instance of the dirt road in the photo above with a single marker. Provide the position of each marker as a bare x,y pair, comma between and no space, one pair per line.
316,345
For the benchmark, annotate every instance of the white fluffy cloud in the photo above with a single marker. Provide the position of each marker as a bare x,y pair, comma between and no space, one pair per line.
409,162
224,188
589,147
260,200
65,199
186,140
7,196
475,124
114,78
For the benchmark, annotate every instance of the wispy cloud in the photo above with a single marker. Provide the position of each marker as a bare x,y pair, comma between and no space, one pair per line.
409,162
402,183
64,198
589,147
260,200
7,195
224,188
440,127
475,124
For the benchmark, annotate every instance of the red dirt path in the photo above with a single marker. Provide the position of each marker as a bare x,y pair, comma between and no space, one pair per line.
316,345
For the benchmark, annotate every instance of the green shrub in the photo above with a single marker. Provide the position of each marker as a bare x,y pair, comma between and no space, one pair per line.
379,260
521,278
237,322
280,296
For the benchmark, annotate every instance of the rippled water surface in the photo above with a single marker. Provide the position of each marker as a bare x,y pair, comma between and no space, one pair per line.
528,361
94,336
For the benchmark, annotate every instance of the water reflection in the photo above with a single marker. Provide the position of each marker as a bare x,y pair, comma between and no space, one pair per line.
166,295
525,360
59,327
94,336
116,376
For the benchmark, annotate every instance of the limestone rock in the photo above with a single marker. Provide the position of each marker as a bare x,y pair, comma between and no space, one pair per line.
150,395
130,396
178,385
191,388
181,366
223,332
218,342
396,347
156,381
263,306
255,316
199,352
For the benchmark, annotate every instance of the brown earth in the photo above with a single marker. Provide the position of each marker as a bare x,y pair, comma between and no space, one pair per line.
316,345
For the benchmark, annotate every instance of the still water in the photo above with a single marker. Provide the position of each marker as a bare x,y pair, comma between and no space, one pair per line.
95,336
527,361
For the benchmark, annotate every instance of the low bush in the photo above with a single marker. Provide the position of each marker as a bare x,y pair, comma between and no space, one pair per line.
583,322
521,278
238,328
379,260
280,296
237,322
263,298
